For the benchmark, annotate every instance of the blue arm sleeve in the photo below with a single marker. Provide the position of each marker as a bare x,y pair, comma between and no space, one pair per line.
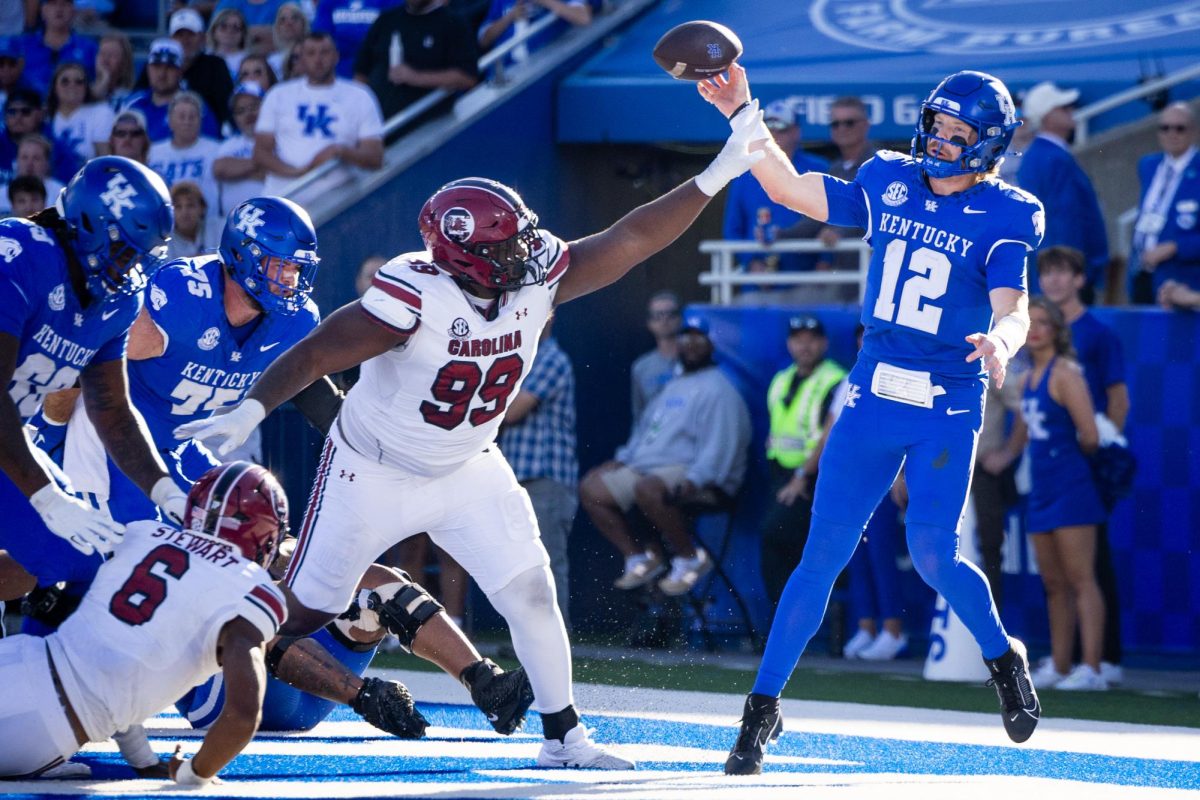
847,203
14,305
1006,269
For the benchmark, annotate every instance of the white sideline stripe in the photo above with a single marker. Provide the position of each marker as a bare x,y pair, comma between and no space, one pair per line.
853,719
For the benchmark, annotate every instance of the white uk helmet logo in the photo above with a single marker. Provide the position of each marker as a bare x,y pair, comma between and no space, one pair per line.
250,219
118,196
896,194
458,225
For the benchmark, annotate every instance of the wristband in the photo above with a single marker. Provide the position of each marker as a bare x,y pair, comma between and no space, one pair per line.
185,776
738,110
1010,330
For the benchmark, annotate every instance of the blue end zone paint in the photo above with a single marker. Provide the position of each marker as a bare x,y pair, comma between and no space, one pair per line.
874,756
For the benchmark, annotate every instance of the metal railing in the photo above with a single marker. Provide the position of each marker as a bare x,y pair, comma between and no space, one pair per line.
1084,115
724,274
419,107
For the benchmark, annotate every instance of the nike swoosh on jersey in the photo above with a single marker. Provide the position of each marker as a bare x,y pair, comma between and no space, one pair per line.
264,348
108,314
952,411
969,210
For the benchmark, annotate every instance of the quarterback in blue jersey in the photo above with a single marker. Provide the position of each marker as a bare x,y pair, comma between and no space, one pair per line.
70,287
950,243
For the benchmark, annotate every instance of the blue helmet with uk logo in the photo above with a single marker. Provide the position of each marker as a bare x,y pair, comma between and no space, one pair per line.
981,101
269,246
117,211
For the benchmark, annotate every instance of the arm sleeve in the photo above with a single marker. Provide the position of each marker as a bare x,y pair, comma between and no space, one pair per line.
393,302
1008,256
264,607
847,202
320,403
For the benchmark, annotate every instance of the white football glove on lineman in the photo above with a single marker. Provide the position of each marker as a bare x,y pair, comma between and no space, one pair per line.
227,431
170,498
735,157
89,530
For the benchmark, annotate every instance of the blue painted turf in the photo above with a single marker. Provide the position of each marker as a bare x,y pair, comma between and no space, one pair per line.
873,755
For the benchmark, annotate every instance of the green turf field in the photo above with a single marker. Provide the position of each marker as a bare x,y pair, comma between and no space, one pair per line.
877,689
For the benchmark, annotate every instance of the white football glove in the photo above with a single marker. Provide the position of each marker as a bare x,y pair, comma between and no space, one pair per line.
735,157
227,431
167,496
88,529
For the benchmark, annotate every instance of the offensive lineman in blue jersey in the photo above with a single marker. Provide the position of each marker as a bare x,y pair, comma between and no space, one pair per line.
70,287
950,243
210,325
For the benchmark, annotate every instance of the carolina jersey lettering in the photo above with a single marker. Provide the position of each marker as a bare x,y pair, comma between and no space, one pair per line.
147,629
203,367
437,400
915,314
58,337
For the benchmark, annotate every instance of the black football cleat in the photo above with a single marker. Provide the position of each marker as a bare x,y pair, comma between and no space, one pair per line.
1019,706
503,697
762,722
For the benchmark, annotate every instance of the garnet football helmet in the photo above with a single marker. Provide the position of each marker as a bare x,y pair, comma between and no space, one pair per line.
978,99
243,504
482,231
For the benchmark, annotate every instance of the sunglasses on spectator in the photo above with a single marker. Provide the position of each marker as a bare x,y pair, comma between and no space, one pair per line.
67,79
843,123
659,315
1172,128
19,111
231,26
127,133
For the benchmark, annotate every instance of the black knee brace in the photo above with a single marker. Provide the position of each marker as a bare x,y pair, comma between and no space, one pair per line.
403,607
276,654
49,605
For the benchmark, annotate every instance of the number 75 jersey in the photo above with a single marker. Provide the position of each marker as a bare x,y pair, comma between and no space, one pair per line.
934,260
437,400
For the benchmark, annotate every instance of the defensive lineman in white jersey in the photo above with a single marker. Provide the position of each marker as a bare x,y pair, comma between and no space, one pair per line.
170,609
445,337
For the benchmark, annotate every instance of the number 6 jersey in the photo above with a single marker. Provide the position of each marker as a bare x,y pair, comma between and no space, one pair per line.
438,399
934,259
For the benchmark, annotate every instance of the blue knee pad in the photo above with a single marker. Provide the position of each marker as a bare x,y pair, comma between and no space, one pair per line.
285,708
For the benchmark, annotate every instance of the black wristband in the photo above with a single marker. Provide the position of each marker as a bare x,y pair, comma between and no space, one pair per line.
738,110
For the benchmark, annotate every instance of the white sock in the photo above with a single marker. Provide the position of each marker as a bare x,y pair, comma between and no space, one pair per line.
529,606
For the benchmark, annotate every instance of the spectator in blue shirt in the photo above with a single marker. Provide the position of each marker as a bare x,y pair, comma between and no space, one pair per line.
538,439
164,70
1166,239
508,18
23,115
348,21
1050,172
751,215
56,43
12,65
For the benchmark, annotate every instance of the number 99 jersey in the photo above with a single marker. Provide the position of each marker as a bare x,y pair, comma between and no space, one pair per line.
435,401
934,260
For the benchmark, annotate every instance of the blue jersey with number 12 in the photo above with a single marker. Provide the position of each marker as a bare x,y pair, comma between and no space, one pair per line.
203,367
934,260
58,337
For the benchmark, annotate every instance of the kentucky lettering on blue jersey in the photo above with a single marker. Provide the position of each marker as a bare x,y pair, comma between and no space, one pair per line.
58,337
934,260
203,367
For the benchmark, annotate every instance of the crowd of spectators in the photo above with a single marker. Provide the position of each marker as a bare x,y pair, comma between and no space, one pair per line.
240,96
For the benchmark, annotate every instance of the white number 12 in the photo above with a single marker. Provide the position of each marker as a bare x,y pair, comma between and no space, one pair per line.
933,272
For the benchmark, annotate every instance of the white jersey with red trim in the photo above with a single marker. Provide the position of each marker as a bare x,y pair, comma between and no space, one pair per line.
147,629
437,400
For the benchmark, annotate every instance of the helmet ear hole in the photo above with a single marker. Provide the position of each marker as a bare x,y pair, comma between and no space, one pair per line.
86,222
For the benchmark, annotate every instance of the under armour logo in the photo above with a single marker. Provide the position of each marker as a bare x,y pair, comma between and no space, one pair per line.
119,195
347,475
250,219
524,312
315,120
852,395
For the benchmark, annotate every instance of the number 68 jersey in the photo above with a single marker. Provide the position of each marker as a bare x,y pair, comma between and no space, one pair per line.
934,260
435,401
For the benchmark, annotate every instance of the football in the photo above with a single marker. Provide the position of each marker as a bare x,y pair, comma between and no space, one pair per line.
697,50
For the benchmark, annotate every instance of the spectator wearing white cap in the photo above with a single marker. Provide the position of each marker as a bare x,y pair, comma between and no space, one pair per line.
186,156
129,137
164,73
320,117
1050,172
238,177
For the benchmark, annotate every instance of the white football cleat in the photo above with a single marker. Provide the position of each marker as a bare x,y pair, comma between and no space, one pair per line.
578,751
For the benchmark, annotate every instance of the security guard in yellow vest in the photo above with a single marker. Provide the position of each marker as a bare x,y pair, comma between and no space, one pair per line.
798,402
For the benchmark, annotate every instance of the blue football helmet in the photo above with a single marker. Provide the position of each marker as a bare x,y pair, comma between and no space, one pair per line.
117,212
978,99
261,236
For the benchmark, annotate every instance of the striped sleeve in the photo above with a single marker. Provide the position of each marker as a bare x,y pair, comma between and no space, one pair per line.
265,607
393,302
560,259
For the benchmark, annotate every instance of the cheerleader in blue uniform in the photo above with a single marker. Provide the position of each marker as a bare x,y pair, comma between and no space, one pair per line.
1058,423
